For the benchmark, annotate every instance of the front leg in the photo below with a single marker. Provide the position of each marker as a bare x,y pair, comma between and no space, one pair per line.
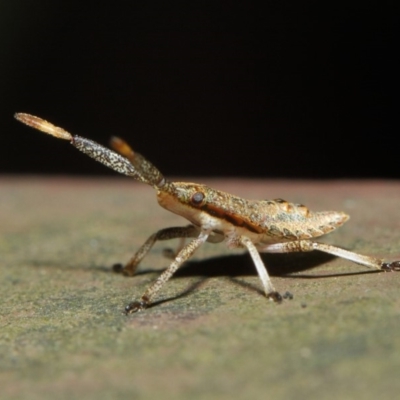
182,256
164,234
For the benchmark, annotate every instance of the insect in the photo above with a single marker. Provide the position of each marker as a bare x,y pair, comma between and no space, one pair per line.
266,226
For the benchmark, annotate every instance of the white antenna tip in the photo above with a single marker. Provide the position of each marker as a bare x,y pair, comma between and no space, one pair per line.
42,125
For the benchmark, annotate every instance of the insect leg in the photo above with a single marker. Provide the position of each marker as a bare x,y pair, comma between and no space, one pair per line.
368,261
269,289
182,256
164,234
213,238
306,245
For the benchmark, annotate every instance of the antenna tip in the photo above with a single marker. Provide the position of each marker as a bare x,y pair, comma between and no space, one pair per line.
121,147
43,126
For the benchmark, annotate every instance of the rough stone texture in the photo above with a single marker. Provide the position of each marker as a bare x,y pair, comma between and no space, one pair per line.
212,334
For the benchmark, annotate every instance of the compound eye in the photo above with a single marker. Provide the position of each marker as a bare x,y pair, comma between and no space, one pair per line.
197,198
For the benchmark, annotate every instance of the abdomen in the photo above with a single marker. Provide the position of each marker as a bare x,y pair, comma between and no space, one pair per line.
281,220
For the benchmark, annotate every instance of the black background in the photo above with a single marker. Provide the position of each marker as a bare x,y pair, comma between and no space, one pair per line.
206,88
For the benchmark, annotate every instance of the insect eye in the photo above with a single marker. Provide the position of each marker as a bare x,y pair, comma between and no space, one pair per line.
197,198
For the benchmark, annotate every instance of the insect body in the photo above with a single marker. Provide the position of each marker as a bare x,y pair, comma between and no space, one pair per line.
270,226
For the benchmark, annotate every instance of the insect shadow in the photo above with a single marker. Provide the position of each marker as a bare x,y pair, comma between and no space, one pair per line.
282,265
230,267
234,266
240,265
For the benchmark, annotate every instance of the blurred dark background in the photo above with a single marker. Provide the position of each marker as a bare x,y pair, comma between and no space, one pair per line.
208,88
